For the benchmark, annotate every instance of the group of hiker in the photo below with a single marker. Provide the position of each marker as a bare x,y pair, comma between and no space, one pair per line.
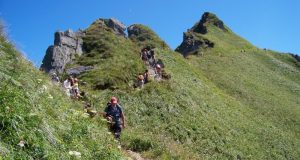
148,57
71,86
113,111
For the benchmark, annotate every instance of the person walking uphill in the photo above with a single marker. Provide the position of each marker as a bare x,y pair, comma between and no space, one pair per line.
115,115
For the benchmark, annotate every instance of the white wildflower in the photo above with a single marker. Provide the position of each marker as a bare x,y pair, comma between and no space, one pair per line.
119,147
50,96
39,80
85,115
21,143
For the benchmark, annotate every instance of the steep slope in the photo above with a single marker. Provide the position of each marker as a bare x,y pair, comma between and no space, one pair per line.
225,100
265,81
37,121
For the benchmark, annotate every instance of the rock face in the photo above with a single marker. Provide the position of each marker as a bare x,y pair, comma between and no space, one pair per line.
117,27
297,57
66,45
206,19
133,30
190,44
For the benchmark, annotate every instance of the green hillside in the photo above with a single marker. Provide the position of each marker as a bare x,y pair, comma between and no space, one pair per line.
232,100
37,113
225,100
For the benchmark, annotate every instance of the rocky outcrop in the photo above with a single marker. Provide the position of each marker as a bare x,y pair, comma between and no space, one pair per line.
191,43
134,30
118,27
115,25
66,45
206,19
194,40
297,57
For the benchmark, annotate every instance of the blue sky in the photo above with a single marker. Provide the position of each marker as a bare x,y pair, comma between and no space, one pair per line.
273,24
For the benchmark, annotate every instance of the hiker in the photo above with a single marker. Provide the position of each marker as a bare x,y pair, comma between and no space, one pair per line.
140,81
157,72
55,78
146,76
75,88
144,56
67,85
115,116
151,57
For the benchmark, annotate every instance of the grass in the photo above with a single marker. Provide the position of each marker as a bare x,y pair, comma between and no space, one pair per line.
207,111
221,105
38,112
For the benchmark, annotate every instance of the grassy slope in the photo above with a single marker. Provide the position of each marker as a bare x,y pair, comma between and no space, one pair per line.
104,51
266,82
34,110
214,112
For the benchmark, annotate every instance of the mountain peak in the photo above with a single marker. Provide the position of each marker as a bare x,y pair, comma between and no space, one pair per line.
206,20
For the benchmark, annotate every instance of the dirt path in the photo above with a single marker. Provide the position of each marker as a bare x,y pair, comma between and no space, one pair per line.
134,155
151,71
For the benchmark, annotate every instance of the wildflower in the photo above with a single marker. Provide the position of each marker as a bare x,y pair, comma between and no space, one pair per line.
39,80
21,143
85,115
50,97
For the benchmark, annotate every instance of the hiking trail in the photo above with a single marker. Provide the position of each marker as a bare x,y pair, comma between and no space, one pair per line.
134,155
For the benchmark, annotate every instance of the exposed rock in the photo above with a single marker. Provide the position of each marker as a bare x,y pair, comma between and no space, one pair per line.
78,70
191,43
208,18
66,45
297,57
133,30
194,41
117,27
